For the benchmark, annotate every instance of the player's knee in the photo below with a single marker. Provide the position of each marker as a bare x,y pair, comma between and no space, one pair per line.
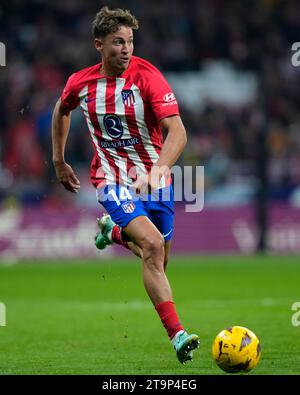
153,245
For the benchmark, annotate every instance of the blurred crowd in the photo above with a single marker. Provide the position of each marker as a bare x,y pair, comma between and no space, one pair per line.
47,41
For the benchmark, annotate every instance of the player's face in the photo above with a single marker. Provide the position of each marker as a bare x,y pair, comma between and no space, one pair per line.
116,50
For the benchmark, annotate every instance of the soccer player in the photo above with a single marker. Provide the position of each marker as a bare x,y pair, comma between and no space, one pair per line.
127,104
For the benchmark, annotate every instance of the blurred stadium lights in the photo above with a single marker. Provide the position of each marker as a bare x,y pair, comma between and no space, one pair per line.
218,82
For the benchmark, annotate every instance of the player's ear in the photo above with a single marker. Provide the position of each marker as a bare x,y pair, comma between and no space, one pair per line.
98,44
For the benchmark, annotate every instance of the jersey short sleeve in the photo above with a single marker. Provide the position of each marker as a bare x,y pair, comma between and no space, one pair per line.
69,97
160,96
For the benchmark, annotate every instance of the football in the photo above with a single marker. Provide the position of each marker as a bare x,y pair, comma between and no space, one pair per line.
236,349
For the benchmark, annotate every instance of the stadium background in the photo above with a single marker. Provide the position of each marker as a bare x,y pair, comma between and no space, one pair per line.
229,63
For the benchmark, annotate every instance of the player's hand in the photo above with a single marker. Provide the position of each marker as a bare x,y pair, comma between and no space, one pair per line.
67,177
156,174
151,182
141,185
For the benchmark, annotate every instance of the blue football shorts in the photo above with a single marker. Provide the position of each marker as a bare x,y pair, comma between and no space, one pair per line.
124,205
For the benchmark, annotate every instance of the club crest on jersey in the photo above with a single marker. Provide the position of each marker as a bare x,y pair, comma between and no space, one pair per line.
113,126
128,207
128,97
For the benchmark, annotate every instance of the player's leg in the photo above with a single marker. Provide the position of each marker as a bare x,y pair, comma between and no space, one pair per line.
139,253
139,233
110,232
162,216
135,249
143,233
182,342
147,237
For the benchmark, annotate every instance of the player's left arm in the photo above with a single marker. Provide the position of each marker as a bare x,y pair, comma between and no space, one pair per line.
175,141
173,146
165,107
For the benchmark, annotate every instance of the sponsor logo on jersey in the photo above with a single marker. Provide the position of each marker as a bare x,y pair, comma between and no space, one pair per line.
169,99
128,97
113,126
128,207
119,143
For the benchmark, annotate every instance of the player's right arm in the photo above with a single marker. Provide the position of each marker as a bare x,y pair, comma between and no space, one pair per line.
61,120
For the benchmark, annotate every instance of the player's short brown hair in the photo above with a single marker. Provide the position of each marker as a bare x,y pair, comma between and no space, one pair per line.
108,21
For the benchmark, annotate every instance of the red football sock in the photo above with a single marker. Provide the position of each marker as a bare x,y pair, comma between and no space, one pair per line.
116,236
169,318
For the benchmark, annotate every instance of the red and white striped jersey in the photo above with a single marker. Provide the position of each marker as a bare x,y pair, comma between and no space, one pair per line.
122,114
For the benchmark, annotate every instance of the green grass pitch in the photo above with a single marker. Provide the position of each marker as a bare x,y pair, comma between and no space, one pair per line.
95,317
